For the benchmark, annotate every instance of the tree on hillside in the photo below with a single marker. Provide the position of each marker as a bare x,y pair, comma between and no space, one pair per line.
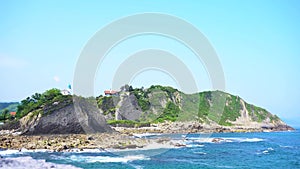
36,96
5,112
37,101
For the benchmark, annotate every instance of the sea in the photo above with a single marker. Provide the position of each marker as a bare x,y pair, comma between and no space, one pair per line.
219,150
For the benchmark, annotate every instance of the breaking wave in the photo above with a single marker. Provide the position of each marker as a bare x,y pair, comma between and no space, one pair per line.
107,159
222,139
29,162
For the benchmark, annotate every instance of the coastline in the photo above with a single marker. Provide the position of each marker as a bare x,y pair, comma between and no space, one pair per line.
123,139
196,127
81,142
157,148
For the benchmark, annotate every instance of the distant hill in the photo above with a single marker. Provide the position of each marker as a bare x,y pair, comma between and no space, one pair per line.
11,106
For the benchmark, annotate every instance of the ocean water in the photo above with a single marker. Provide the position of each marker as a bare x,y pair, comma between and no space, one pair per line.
235,150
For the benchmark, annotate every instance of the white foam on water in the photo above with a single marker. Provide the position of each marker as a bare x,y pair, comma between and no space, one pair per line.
266,151
151,146
237,139
200,140
157,146
286,146
77,150
201,153
194,145
21,151
223,139
108,159
146,135
252,140
29,162
9,152
225,166
137,166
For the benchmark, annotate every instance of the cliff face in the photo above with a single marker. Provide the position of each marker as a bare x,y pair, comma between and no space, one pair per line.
212,108
63,118
128,108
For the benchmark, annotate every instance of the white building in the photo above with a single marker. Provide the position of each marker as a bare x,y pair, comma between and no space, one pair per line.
65,92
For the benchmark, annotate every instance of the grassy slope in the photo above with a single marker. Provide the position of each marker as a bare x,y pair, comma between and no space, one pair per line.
206,106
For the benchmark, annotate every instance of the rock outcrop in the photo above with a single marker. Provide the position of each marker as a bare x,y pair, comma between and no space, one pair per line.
128,108
78,117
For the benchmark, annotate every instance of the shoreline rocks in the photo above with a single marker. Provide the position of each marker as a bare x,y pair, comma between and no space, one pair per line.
79,142
61,143
195,127
124,138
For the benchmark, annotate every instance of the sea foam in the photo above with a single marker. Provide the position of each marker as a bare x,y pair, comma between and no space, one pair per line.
108,159
29,162
222,139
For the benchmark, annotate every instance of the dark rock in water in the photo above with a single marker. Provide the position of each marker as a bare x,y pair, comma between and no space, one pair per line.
179,145
80,117
130,146
279,128
217,140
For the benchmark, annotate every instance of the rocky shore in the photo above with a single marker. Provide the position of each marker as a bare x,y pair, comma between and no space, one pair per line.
123,138
195,127
79,142
65,142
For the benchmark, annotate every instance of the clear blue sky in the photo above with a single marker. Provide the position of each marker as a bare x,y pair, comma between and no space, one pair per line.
258,43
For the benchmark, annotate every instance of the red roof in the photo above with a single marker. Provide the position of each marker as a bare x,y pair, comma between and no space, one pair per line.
110,92
13,113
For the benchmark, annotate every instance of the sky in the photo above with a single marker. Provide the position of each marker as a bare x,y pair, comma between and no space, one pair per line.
257,43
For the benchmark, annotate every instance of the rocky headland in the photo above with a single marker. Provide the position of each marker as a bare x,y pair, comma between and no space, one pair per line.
59,122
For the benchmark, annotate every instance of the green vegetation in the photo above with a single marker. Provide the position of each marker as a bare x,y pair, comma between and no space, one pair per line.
12,106
142,98
158,104
259,114
212,107
49,101
274,118
231,110
106,103
169,90
153,97
189,106
127,123
6,108
170,113
203,106
4,115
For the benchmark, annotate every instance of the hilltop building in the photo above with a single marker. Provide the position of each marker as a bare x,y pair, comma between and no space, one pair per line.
111,93
13,114
65,92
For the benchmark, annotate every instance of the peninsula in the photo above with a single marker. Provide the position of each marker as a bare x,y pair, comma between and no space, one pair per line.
57,121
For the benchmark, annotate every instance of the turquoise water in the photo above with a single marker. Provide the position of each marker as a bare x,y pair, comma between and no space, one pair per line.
236,150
